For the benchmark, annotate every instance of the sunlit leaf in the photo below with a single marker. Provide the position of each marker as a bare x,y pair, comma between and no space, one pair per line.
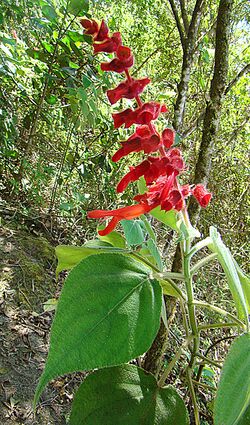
108,314
78,7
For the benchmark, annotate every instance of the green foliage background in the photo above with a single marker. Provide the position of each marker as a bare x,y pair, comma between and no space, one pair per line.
57,136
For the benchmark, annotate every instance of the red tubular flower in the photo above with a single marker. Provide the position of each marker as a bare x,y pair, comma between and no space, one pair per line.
102,32
134,174
149,112
125,117
117,65
158,192
124,60
137,144
128,90
133,144
143,115
123,53
202,195
129,146
110,45
125,213
186,190
151,169
173,201
168,136
90,26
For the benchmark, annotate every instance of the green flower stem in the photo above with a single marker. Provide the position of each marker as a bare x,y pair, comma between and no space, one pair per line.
190,304
217,325
191,314
193,396
172,275
172,283
184,316
202,244
202,263
220,311
139,257
174,360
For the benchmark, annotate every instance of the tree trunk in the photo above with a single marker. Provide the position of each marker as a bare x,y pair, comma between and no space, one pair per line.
213,109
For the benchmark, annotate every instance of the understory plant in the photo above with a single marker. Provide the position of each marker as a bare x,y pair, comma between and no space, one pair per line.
112,302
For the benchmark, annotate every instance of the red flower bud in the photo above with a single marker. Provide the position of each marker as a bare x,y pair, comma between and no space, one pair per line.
202,195
168,136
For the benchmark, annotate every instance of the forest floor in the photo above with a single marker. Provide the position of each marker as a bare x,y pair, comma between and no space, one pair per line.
27,281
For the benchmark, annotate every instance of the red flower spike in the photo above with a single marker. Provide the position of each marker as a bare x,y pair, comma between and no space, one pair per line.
128,90
90,26
110,45
160,172
125,213
102,33
168,136
202,195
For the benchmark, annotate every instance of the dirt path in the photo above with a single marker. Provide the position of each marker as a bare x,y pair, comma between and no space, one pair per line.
26,282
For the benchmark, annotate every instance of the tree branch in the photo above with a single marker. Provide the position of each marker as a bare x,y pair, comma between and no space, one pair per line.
187,61
184,15
178,23
244,71
195,21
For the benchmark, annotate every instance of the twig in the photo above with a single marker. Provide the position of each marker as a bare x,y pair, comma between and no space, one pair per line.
244,71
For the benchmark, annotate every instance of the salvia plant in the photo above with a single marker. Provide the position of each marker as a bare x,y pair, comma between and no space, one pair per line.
112,302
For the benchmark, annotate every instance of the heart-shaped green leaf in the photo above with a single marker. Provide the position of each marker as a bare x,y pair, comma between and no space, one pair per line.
108,314
125,395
